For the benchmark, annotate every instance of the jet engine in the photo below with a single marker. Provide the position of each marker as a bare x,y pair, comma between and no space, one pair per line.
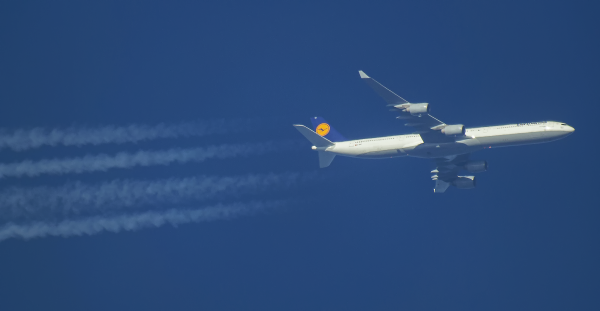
476,166
413,109
457,129
416,109
464,182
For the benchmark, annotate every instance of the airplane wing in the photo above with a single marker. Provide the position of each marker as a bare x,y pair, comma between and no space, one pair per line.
447,171
419,118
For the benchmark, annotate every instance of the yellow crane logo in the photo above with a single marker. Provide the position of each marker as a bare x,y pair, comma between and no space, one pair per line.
323,129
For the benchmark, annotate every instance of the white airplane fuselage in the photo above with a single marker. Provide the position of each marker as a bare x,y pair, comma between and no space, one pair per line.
477,138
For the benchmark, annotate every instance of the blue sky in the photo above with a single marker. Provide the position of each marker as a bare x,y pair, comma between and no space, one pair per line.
360,234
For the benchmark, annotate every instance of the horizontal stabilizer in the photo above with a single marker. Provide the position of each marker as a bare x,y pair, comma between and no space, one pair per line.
325,158
316,139
441,186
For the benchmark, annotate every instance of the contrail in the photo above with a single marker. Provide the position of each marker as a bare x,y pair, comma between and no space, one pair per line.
23,139
94,225
77,198
103,162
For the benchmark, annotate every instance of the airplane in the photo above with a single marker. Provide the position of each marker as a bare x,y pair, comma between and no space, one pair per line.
449,145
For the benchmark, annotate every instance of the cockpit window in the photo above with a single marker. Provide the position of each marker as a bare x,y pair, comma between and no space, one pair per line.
563,124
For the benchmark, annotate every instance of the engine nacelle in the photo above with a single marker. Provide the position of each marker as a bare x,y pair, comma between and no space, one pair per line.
416,109
457,129
476,166
464,182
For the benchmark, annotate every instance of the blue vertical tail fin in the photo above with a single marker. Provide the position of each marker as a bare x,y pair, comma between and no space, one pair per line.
321,127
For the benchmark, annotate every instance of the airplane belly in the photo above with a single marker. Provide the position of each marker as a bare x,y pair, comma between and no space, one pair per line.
432,150
519,139
382,154
380,151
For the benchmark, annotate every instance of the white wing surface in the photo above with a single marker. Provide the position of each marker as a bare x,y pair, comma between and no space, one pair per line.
390,97
425,124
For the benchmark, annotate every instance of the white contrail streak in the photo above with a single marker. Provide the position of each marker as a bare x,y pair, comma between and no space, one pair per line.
23,139
103,162
94,225
81,198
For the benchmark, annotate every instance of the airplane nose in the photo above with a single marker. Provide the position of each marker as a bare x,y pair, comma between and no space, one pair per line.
570,129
